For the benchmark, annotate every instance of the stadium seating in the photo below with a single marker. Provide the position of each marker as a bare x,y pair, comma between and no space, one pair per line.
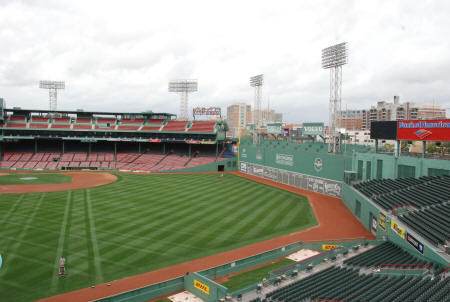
198,161
150,128
126,161
175,126
344,282
155,122
16,125
39,119
104,127
128,128
202,126
83,120
60,126
82,127
104,120
126,121
62,120
429,215
39,125
432,223
18,118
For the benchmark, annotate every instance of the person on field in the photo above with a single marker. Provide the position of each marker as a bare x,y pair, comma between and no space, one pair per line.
62,266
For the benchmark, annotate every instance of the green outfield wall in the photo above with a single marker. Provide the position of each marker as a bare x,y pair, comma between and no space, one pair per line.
382,224
204,288
307,166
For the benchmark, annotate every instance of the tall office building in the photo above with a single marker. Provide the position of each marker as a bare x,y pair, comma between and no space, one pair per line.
238,116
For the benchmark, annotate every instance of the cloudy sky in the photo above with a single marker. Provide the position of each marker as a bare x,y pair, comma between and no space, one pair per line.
119,55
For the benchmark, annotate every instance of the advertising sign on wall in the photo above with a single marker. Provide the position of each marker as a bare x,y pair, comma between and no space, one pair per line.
299,180
313,129
382,221
329,247
415,243
203,287
284,159
425,130
400,231
274,128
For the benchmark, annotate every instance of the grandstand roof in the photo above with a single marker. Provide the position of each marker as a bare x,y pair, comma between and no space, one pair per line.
20,110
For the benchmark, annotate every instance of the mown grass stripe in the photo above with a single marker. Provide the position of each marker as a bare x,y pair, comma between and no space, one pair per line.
13,251
93,240
62,236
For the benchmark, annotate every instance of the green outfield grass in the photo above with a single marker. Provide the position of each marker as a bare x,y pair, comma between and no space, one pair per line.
137,224
33,179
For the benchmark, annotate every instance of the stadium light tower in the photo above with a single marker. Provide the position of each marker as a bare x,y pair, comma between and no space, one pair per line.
52,87
257,82
333,58
183,87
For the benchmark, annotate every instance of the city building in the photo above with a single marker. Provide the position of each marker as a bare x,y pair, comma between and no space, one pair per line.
238,116
269,116
385,111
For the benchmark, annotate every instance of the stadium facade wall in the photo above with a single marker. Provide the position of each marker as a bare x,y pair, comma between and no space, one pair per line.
378,222
375,166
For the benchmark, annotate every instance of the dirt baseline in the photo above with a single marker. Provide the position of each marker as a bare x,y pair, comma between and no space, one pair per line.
80,180
335,221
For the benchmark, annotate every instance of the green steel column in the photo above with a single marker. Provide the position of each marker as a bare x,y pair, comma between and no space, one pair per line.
190,150
139,144
217,149
35,146
115,150
376,145
89,151
424,148
62,147
164,148
399,148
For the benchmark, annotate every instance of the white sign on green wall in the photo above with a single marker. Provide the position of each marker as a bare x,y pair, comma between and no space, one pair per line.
313,128
274,128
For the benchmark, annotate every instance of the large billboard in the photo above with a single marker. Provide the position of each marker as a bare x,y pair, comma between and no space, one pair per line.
424,130
313,129
383,130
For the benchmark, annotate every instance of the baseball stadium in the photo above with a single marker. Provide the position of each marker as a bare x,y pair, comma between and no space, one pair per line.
129,206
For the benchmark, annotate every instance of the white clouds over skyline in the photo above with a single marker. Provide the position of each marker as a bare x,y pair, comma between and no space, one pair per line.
115,55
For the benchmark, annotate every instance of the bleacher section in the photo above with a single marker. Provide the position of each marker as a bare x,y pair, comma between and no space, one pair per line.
343,284
131,121
202,126
124,161
432,223
389,253
352,281
108,124
427,199
422,192
175,126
